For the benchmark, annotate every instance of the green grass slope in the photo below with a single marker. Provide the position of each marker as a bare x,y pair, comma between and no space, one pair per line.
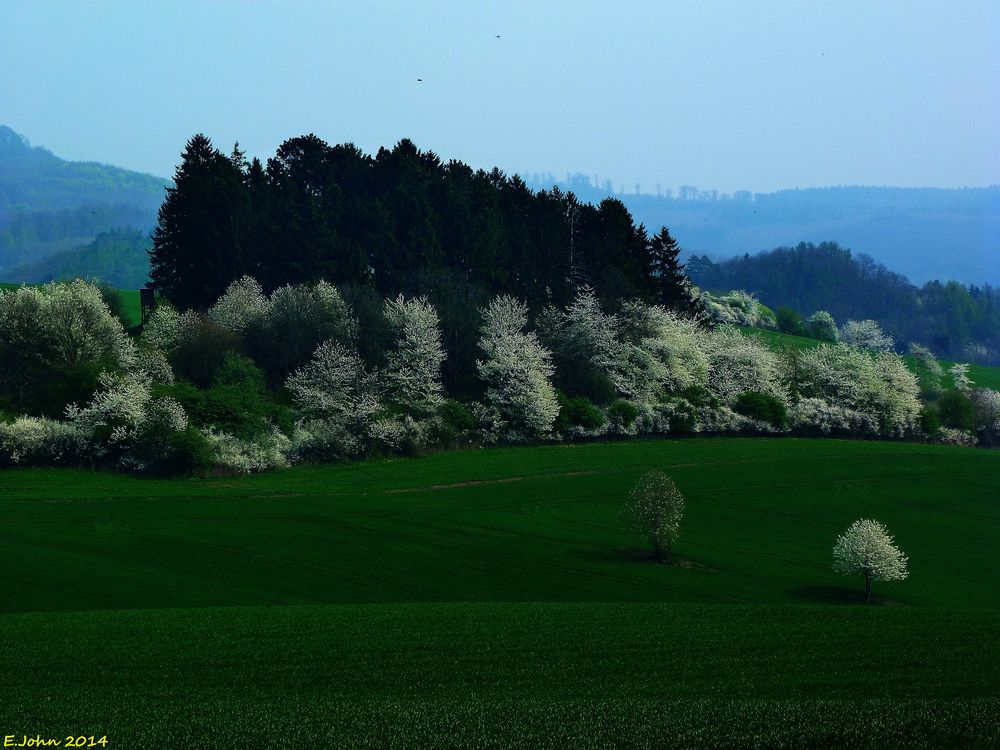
494,597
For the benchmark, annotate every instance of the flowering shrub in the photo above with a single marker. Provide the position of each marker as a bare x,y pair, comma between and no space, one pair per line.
520,400
814,416
876,385
62,331
39,441
126,425
867,334
953,436
987,407
661,352
738,308
960,377
413,371
241,307
739,364
338,400
264,452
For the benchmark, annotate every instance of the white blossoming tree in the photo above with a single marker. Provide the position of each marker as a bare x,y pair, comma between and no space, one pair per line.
242,306
741,364
655,508
866,334
57,328
867,549
584,343
413,371
298,319
877,385
960,376
126,423
662,352
337,399
517,370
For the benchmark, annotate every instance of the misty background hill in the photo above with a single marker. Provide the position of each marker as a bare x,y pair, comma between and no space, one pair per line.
922,233
60,218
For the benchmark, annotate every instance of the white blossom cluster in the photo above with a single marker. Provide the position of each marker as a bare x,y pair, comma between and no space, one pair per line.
877,385
39,440
520,400
338,400
739,308
125,422
62,325
413,372
866,334
265,452
867,549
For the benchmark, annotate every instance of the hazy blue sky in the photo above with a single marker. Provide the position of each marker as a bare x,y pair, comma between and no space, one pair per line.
741,95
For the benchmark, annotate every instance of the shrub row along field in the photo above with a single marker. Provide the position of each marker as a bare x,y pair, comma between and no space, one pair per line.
983,376
496,597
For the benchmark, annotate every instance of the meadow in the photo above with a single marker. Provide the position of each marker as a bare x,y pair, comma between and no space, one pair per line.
495,598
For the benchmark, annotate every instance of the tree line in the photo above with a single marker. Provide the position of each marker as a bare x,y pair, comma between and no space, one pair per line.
400,222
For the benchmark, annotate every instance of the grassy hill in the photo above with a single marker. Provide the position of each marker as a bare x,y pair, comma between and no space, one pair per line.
496,594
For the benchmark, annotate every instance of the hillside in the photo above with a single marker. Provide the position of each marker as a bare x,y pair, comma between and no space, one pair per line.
49,205
955,321
923,233
498,591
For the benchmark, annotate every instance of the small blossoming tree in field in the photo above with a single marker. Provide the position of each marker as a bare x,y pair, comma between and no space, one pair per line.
655,507
867,549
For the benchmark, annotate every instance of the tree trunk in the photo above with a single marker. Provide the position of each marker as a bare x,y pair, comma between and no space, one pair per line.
868,586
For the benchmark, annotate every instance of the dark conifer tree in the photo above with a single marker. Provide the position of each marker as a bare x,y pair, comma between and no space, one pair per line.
671,287
196,249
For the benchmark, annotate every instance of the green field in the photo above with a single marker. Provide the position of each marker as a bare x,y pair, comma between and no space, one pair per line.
494,598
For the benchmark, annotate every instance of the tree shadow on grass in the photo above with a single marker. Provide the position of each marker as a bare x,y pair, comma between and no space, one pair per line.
837,595
638,555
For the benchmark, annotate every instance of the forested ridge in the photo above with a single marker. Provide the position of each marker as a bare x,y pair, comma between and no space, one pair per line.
49,205
956,321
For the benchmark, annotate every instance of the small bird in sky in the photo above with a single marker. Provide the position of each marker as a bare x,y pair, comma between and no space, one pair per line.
420,80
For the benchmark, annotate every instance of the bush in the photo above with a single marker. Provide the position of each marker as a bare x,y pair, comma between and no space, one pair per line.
957,411
457,416
822,326
578,414
33,441
202,351
266,451
187,452
763,408
866,334
790,321
623,413
930,420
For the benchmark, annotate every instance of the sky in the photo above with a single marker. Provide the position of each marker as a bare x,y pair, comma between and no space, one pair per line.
729,96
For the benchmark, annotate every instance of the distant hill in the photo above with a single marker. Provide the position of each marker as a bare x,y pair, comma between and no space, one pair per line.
924,233
118,257
49,205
